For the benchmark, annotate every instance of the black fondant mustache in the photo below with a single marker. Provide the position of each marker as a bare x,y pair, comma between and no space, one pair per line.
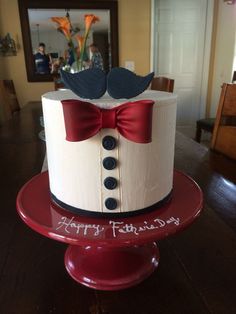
93,83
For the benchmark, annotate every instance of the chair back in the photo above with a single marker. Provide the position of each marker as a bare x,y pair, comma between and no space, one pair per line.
162,83
8,99
224,133
57,82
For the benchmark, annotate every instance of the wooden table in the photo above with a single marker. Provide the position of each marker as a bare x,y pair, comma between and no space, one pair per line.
197,273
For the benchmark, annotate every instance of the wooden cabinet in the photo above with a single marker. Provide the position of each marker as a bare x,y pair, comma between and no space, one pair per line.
224,134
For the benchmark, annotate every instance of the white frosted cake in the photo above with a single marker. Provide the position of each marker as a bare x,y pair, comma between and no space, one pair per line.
108,174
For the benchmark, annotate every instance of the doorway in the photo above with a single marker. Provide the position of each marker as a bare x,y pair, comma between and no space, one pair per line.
181,37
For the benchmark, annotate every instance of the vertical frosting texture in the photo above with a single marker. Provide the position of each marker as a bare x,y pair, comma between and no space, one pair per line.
143,172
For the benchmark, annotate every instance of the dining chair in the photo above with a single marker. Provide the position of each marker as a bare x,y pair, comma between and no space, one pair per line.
162,83
8,99
224,133
207,124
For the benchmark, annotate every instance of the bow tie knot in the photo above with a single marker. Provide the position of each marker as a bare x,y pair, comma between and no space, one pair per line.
133,120
108,117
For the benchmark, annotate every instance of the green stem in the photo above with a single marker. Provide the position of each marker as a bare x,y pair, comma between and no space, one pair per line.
73,51
81,57
79,64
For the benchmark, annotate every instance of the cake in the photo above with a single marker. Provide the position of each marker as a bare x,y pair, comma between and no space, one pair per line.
108,174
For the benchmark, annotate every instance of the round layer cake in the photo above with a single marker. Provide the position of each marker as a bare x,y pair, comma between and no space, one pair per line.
107,174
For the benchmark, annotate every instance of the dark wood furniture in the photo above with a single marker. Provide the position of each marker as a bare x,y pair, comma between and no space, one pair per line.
162,83
8,99
208,124
205,125
197,269
224,134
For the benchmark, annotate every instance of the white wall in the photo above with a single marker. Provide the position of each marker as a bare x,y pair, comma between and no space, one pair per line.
234,63
54,41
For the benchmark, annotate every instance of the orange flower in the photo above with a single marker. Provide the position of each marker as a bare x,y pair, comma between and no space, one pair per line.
64,25
89,20
80,40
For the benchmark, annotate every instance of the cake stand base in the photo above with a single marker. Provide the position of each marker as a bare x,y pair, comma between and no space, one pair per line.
108,268
109,254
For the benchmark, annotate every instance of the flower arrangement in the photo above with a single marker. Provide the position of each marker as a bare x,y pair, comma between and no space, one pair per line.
65,27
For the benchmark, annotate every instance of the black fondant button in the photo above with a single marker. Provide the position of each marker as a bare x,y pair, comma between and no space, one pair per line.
109,163
110,183
109,142
110,203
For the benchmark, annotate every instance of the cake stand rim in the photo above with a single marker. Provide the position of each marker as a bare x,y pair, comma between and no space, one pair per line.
113,242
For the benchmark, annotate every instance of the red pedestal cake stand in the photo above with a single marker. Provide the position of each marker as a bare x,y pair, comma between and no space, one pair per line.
109,254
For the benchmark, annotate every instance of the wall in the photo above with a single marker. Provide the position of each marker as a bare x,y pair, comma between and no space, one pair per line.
134,33
15,66
2,68
55,41
223,53
134,44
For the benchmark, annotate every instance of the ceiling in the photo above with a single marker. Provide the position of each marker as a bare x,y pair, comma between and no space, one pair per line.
42,17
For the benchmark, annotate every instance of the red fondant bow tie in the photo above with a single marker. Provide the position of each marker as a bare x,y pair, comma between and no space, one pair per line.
133,120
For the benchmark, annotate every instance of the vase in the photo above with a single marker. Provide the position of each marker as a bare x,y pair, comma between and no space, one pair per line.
76,67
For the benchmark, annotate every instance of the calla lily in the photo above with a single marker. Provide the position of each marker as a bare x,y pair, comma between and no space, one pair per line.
64,25
80,40
89,20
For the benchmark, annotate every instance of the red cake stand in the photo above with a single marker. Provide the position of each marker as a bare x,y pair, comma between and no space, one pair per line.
109,254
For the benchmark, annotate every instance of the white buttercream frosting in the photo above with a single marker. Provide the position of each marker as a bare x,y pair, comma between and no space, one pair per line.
144,171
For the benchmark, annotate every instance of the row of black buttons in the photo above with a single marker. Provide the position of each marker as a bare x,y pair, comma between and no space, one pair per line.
109,163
